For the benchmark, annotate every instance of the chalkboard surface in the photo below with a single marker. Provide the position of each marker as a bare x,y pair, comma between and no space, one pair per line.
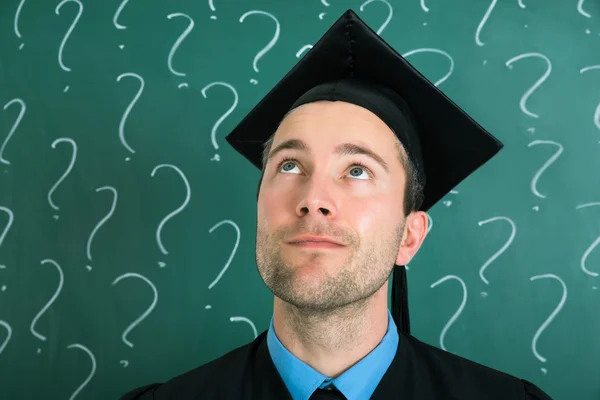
127,224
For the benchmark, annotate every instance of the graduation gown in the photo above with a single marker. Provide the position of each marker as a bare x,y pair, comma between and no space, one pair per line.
419,371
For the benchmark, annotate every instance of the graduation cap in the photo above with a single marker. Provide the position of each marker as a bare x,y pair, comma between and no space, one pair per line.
352,63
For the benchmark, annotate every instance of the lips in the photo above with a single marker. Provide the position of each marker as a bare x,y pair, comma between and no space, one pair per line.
311,239
319,245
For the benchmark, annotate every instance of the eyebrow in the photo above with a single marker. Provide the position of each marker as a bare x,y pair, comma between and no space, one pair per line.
341,149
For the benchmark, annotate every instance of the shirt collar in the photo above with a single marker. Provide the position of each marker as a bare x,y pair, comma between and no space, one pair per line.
357,383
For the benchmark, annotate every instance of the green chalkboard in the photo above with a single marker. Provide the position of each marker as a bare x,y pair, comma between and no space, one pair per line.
127,224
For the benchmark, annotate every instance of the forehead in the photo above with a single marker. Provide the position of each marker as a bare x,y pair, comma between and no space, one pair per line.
332,121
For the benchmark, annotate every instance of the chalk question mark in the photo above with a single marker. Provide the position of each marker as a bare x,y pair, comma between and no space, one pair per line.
146,313
550,318
213,132
389,17
536,84
213,9
128,109
49,303
460,308
69,168
587,251
14,127
8,335
597,113
237,242
483,21
92,372
118,13
580,9
102,222
438,51
539,173
177,43
269,46
326,4
502,249
11,217
173,213
68,34
303,49
246,320
17,14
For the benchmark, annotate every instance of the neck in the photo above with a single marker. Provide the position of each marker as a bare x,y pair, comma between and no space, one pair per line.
333,341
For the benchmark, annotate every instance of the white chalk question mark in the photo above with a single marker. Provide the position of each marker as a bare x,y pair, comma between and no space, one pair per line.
246,320
14,127
580,9
118,13
539,173
597,112
269,46
49,303
213,9
460,309
588,250
102,222
11,217
389,17
92,372
128,109
177,43
483,21
146,313
326,4
73,157
68,34
237,242
502,249
303,49
536,84
550,318
173,213
213,132
8,335
438,51
17,14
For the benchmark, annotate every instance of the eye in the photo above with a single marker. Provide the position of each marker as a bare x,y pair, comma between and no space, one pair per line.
289,164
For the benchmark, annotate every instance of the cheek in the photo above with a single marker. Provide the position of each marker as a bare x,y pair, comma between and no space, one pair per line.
369,217
270,205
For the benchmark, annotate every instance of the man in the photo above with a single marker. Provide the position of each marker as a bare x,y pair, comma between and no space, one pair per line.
354,146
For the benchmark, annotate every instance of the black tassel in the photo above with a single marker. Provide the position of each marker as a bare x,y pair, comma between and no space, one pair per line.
400,299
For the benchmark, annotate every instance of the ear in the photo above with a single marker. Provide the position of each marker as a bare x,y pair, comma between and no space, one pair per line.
415,230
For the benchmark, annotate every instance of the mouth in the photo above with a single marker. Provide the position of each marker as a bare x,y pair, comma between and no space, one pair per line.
316,245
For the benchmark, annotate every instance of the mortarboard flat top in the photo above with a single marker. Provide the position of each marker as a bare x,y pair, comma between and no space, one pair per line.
452,144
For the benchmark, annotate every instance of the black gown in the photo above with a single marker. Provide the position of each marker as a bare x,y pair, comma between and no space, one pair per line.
418,372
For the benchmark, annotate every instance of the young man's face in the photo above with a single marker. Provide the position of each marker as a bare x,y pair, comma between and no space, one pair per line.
323,192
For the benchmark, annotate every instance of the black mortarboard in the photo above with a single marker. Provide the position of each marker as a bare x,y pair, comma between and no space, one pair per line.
352,63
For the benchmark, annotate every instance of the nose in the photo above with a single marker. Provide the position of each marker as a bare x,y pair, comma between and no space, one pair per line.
317,200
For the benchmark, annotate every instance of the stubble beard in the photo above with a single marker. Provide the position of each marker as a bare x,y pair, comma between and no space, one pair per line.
359,276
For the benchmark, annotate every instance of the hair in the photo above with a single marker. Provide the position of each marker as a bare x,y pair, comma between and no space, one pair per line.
413,190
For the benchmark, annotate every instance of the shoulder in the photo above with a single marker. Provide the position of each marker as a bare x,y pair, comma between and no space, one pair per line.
465,377
215,379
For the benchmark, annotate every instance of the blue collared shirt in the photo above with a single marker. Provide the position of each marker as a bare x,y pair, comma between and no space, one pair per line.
357,383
